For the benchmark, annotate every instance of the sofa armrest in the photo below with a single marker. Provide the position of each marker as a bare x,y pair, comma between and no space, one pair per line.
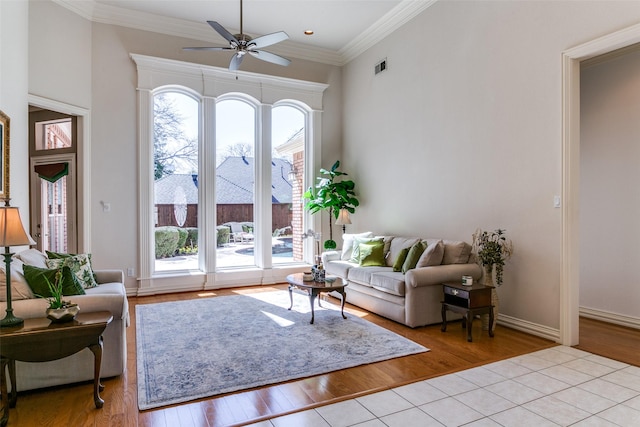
330,256
436,275
109,276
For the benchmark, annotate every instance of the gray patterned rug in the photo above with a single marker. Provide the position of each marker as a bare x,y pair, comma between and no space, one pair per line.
192,349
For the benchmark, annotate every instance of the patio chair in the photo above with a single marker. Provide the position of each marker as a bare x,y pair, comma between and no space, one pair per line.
238,233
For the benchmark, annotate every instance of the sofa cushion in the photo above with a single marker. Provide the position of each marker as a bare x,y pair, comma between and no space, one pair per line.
372,253
347,243
338,268
432,255
413,256
363,274
19,287
39,279
397,244
33,257
456,252
389,282
80,265
400,259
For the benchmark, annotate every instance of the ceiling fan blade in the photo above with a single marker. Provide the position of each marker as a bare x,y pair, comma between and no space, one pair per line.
224,33
234,65
208,48
270,57
269,39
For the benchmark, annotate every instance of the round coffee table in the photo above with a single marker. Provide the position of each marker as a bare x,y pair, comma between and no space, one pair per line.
313,289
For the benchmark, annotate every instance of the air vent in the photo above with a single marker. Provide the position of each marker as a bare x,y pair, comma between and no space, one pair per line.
381,66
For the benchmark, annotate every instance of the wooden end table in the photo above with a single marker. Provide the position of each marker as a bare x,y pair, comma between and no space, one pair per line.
468,300
40,340
313,289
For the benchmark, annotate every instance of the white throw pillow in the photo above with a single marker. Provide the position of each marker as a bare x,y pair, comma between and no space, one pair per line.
19,287
347,243
33,257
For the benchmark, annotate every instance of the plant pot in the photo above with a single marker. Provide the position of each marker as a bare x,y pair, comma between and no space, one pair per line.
60,315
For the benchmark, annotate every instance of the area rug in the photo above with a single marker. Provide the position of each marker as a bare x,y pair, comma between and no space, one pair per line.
192,349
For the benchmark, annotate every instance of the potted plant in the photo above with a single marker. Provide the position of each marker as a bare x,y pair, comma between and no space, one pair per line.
492,250
59,310
331,194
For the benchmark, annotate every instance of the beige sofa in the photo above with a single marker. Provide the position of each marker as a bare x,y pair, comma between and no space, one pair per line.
109,295
412,298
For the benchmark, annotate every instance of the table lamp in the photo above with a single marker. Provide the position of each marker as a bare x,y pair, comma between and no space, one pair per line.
343,219
12,233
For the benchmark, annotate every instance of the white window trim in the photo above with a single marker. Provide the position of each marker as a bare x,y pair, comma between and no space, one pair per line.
209,83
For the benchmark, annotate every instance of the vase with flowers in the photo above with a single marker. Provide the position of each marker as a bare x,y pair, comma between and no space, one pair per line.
59,310
492,249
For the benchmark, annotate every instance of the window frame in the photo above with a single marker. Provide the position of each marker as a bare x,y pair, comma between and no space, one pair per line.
211,85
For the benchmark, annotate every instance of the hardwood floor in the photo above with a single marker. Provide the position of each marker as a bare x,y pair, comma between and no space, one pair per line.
450,352
613,341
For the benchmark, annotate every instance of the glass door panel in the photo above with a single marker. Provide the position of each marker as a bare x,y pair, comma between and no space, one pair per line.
288,138
235,184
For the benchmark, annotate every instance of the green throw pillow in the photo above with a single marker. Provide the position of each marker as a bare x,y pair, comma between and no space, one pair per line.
61,255
399,262
80,265
355,255
372,254
413,256
35,277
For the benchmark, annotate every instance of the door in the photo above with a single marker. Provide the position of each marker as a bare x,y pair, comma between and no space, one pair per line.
52,148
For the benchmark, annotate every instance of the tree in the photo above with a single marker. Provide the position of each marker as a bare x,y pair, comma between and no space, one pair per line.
332,195
172,148
239,149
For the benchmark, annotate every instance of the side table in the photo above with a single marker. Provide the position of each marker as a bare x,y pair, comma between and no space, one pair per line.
40,340
468,300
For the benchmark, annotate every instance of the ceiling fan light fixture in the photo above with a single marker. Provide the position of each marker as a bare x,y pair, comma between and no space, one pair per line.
242,43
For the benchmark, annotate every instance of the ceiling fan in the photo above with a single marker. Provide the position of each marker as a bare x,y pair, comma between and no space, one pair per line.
243,44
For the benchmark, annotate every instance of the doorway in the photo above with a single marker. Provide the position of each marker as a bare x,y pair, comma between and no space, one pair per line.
570,279
53,196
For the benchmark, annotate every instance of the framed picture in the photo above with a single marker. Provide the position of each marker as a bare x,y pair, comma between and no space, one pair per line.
4,156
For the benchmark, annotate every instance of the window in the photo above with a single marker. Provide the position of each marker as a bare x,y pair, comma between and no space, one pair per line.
175,173
245,122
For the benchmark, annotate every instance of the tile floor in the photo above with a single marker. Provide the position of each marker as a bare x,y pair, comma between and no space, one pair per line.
561,386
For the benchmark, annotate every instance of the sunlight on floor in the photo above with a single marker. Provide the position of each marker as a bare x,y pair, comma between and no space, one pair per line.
279,320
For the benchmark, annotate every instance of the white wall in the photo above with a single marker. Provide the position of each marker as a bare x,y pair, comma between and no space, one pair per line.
610,173
464,130
14,64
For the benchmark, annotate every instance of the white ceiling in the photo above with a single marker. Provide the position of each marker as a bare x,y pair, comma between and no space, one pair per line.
342,28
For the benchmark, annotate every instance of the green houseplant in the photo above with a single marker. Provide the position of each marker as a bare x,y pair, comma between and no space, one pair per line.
492,249
59,310
331,194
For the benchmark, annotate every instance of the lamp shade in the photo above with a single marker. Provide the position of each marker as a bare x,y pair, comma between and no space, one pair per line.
343,217
12,231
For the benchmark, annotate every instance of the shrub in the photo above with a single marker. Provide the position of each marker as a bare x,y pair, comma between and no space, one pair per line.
166,241
223,233
192,238
182,237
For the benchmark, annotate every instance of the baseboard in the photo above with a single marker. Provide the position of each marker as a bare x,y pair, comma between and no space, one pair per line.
607,316
529,327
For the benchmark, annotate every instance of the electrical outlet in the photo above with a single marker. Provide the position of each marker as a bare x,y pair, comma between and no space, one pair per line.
130,272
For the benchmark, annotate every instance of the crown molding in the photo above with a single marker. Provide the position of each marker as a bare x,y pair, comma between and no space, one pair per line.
391,21
112,15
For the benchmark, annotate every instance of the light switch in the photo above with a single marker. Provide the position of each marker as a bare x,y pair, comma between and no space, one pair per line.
106,207
556,201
